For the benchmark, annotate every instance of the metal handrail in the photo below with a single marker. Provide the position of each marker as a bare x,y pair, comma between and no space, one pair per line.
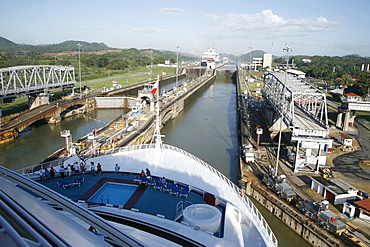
25,221
37,167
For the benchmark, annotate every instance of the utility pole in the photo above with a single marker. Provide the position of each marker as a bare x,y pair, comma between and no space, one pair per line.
79,67
250,57
287,50
177,66
151,64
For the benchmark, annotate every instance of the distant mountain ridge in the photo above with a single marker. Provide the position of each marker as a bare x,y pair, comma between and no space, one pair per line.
70,45
5,43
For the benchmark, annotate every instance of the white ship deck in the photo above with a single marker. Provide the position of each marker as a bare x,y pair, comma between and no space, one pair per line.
244,225
152,218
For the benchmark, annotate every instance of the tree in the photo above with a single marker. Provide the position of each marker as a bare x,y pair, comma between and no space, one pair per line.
346,80
316,72
363,82
65,63
304,69
102,61
337,82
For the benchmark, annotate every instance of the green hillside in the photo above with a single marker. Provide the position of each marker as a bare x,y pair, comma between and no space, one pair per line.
70,45
5,43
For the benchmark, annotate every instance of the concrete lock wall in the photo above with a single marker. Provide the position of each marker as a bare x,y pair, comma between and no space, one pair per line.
299,223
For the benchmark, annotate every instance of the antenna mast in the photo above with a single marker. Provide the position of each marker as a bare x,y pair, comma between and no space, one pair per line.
272,48
157,137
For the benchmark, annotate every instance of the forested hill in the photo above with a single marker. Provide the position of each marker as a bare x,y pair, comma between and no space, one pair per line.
71,45
5,43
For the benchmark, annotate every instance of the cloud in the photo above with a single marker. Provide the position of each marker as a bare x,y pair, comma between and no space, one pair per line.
343,17
268,24
150,30
97,28
173,11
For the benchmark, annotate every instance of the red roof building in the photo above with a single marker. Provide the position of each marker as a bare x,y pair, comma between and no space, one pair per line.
352,95
364,206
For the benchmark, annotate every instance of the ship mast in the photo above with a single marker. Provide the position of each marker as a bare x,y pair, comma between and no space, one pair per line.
157,137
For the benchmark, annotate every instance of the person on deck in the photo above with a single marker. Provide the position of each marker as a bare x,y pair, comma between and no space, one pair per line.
83,167
116,168
99,169
52,173
77,169
147,173
92,167
42,174
46,174
61,170
69,170
142,173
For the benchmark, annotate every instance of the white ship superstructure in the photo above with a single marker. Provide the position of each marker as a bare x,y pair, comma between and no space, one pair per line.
210,58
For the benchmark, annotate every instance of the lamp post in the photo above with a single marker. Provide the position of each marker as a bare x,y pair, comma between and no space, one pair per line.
250,57
259,132
177,65
79,67
151,64
287,50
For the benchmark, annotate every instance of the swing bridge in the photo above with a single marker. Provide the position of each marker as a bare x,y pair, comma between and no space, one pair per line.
302,108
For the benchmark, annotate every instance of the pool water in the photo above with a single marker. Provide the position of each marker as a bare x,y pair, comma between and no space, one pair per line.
114,193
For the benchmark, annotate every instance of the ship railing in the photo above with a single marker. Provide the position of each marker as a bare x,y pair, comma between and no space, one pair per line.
270,237
34,168
253,209
255,212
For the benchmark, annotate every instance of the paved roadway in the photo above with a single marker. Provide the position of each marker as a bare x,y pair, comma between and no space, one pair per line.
348,164
111,78
26,116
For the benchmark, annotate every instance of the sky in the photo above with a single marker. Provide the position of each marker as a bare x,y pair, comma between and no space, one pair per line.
314,27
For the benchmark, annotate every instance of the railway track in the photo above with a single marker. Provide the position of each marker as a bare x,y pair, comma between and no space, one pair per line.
353,241
267,153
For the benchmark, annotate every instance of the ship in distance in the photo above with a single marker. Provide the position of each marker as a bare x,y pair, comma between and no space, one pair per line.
210,58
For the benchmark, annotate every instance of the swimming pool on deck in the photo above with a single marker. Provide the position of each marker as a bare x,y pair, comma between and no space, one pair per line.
114,193
144,198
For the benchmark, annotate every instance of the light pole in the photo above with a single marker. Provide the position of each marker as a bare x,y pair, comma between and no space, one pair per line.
177,65
287,50
79,66
151,64
259,132
250,57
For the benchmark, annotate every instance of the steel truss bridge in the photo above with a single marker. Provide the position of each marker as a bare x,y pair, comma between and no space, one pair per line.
303,110
34,79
